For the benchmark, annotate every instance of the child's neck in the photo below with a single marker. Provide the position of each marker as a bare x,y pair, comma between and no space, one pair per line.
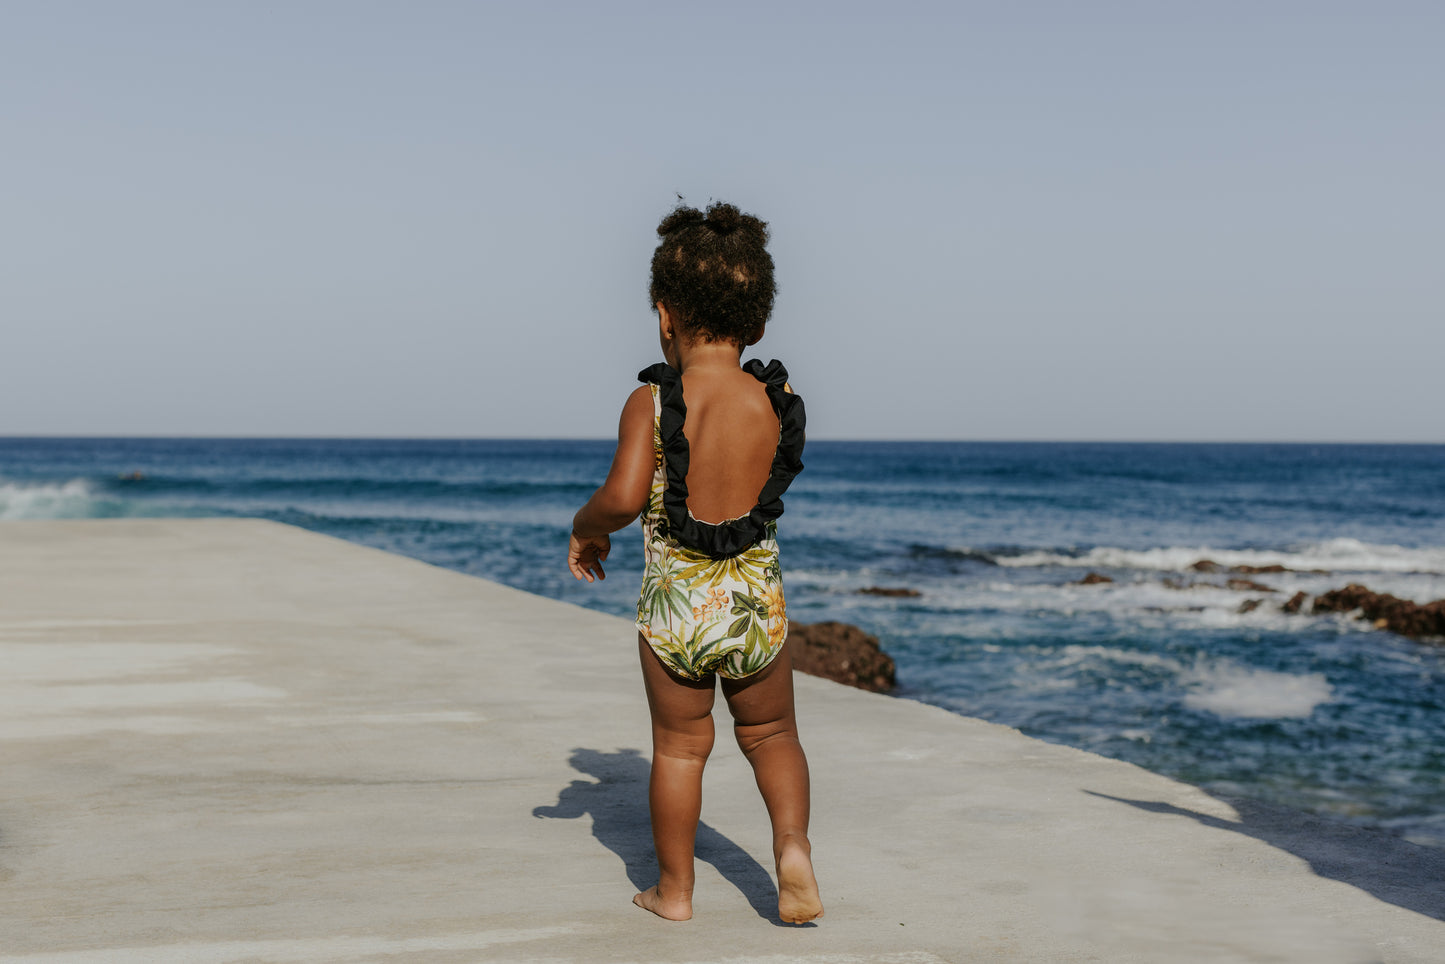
703,355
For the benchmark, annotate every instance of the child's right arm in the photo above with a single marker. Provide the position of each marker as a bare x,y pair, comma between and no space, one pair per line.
622,497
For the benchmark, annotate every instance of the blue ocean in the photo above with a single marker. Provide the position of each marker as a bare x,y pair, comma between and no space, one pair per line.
1160,666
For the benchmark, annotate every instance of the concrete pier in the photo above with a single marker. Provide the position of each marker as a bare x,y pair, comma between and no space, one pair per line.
234,741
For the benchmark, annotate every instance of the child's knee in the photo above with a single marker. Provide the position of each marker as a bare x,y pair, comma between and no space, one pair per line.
752,737
695,745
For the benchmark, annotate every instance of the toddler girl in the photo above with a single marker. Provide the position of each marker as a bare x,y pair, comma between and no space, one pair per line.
709,438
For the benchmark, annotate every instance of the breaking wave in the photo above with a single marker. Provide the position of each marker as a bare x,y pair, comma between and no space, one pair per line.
1333,555
1230,690
49,500
1216,685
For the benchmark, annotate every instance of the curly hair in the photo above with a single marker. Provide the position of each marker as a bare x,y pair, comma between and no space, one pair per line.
714,273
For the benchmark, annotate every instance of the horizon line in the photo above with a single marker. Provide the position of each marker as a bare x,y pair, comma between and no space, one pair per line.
243,437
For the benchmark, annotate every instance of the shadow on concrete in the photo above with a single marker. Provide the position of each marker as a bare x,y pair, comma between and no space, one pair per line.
1389,868
617,802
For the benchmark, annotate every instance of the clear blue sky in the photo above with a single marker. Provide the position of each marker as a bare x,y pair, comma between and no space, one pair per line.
1188,221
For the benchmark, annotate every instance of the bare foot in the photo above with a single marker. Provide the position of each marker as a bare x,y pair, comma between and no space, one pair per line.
798,900
670,908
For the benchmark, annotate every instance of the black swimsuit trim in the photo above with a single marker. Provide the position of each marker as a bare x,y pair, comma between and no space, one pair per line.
726,539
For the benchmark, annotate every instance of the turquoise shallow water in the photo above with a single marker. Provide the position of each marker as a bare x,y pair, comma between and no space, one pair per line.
1158,667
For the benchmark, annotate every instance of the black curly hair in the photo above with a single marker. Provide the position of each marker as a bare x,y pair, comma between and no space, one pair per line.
714,273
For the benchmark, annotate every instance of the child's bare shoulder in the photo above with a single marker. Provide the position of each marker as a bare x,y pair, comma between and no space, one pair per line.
638,405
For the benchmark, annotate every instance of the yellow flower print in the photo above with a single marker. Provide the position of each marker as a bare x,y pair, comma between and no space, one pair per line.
777,630
772,598
717,600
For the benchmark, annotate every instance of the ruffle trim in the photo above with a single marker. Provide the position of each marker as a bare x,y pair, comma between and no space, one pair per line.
725,539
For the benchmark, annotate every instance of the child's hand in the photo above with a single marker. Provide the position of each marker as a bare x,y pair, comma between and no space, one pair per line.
585,555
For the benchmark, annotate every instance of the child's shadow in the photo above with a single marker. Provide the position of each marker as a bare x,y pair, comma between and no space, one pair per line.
617,802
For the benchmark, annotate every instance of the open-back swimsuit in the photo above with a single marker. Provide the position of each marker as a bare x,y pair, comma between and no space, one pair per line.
712,594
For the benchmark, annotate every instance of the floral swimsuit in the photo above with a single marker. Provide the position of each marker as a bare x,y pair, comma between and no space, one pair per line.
712,595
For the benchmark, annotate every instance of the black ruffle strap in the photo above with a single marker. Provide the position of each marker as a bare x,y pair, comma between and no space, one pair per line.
728,538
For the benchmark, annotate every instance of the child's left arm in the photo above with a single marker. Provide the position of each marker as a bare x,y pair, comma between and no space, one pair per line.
622,497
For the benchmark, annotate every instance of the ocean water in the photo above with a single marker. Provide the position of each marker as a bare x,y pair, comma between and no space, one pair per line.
1158,667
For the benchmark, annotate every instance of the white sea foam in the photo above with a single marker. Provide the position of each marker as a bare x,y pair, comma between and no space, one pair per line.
1219,686
47,500
1216,685
1333,555
1075,654
1227,689
1142,601
1146,599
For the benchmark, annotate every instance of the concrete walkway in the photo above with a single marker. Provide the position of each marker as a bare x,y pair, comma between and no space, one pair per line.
226,741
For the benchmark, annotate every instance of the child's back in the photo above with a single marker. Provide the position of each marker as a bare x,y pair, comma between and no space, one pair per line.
732,435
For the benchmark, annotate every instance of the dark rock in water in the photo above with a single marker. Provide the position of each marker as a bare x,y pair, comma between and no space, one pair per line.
1351,597
1398,615
889,591
1209,565
1093,579
1170,583
1249,605
842,653
1274,567
1422,621
1238,585
1295,602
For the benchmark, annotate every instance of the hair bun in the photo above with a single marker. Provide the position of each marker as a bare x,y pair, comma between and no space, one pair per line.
724,218
681,217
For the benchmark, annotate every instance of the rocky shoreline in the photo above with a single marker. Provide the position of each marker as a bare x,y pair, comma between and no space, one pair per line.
846,654
1403,616
1424,622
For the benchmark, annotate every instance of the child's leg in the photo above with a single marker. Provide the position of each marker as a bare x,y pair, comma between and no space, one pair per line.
682,736
767,732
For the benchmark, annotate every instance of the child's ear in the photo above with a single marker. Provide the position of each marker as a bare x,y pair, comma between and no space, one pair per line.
755,339
665,322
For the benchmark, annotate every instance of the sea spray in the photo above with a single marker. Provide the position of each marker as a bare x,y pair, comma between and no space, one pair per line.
72,499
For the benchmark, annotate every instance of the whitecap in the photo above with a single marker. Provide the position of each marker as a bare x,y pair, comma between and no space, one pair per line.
47,500
1333,555
1229,690
1075,654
